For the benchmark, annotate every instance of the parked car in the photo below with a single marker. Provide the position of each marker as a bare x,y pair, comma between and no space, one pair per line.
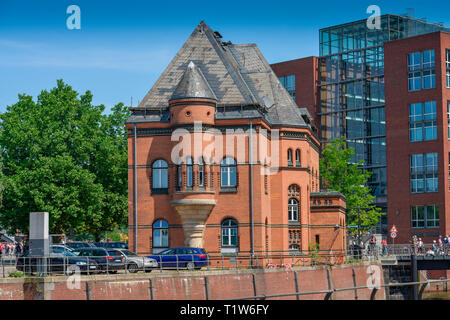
190,258
105,260
57,248
57,262
115,245
79,244
133,262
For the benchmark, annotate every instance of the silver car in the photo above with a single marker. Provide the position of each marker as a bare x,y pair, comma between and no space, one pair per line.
133,262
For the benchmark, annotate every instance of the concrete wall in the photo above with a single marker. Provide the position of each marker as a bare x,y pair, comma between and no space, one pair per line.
202,285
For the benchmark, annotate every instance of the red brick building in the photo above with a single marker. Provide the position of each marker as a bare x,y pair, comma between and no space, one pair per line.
230,200
417,76
302,76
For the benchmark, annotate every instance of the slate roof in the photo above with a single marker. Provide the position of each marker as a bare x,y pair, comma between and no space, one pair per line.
237,74
193,85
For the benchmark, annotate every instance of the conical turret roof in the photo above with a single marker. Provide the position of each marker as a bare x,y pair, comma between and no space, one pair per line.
193,84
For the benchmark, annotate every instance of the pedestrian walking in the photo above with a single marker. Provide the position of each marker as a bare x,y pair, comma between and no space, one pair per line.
18,249
420,246
440,245
414,244
435,247
445,243
383,246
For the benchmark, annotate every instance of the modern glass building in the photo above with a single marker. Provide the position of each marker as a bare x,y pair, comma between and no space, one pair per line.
352,98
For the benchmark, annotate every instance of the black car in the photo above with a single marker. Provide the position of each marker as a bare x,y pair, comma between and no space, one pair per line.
79,244
56,263
105,260
112,245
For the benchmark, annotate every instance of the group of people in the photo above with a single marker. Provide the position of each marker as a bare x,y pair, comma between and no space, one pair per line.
11,249
439,247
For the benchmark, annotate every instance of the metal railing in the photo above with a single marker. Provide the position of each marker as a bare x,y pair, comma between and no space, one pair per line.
63,265
329,293
60,264
425,249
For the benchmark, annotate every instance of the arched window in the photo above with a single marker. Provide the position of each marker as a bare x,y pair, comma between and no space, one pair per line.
228,176
297,158
201,172
289,157
294,190
293,210
229,233
190,173
160,234
159,175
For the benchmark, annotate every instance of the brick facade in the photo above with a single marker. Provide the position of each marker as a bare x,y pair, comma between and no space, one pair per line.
399,146
212,85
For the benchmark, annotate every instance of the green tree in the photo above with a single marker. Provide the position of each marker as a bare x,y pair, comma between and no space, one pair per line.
61,154
339,174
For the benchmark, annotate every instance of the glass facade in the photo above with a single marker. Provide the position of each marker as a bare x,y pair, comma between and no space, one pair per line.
352,99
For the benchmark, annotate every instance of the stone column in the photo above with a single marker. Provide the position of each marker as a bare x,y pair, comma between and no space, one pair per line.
194,213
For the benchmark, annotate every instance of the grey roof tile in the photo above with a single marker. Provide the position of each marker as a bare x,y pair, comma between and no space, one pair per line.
237,74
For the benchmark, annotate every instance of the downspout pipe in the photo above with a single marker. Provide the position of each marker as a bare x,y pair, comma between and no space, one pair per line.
250,144
135,191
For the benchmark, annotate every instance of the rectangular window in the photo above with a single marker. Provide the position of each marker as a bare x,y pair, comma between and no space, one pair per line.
424,173
417,217
425,217
422,121
421,70
288,83
448,66
448,119
414,61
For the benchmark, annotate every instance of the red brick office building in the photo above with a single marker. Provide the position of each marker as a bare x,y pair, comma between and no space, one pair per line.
390,99
417,76
227,201
300,78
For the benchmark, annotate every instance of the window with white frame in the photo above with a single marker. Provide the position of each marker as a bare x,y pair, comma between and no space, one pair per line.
228,170
160,234
229,233
447,62
422,121
293,210
448,119
159,175
421,70
424,173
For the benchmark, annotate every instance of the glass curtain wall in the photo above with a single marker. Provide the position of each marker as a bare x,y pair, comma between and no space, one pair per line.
352,100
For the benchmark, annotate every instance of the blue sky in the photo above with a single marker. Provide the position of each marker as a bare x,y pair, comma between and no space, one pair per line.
123,46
